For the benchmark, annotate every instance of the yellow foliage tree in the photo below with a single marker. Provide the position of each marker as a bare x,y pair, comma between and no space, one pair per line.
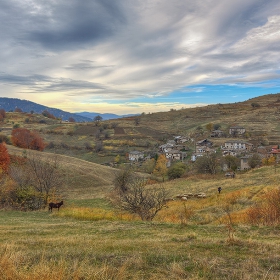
209,126
160,169
271,160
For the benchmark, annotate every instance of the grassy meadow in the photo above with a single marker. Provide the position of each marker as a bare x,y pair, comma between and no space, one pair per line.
89,238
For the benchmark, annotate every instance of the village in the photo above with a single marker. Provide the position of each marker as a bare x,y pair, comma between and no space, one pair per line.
188,150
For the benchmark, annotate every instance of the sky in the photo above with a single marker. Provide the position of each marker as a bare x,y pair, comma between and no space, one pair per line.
134,56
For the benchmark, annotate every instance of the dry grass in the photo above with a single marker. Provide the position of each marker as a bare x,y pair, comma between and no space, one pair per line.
42,245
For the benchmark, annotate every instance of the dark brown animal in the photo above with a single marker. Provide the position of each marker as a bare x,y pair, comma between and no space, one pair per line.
55,205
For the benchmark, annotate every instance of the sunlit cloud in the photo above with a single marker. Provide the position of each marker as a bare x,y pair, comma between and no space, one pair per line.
86,55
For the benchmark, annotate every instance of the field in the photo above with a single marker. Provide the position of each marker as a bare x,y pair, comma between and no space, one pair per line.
40,245
89,238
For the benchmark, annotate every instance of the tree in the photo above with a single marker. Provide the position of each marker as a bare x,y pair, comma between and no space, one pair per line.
217,126
123,179
209,126
254,161
24,138
71,120
45,175
149,165
18,110
3,113
137,120
97,119
140,199
176,170
231,162
255,105
160,167
207,164
4,158
47,114
98,146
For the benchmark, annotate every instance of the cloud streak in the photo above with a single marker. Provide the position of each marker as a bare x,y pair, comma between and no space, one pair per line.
88,51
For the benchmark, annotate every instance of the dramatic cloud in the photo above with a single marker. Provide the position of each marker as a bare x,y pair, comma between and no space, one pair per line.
139,52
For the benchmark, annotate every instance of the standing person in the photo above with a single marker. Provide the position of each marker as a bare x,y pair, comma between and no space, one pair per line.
219,189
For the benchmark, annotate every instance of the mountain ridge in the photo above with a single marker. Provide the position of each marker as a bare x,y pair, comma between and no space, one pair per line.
10,104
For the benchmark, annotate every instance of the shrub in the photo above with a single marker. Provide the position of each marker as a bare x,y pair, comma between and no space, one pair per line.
176,170
4,138
4,158
266,212
24,138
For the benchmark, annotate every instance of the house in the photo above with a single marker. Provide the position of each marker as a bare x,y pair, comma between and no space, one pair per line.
236,130
229,153
175,155
237,145
204,142
166,147
181,139
217,133
135,156
275,151
203,149
195,156
244,163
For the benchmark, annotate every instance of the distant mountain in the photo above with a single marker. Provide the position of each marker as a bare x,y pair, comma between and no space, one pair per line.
105,116
10,104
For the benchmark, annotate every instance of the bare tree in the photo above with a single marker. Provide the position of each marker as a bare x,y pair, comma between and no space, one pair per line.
135,196
143,200
44,173
122,180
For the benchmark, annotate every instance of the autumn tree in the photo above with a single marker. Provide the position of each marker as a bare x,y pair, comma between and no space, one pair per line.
97,119
18,110
71,120
149,165
47,114
254,161
45,174
207,163
160,169
122,180
209,126
176,170
24,138
36,178
2,114
231,162
4,158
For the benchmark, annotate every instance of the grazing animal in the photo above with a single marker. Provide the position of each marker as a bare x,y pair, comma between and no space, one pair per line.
55,205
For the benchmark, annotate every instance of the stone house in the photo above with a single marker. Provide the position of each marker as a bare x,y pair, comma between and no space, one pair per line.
244,163
236,130
217,133
175,155
237,145
135,156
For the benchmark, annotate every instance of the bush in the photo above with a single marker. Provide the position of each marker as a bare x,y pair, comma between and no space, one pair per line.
267,212
4,138
176,171
24,138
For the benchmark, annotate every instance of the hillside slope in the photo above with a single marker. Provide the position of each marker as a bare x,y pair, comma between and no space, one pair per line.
83,179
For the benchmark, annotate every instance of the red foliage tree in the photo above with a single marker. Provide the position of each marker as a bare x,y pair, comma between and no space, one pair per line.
2,113
48,114
24,138
4,158
18,110
71,119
